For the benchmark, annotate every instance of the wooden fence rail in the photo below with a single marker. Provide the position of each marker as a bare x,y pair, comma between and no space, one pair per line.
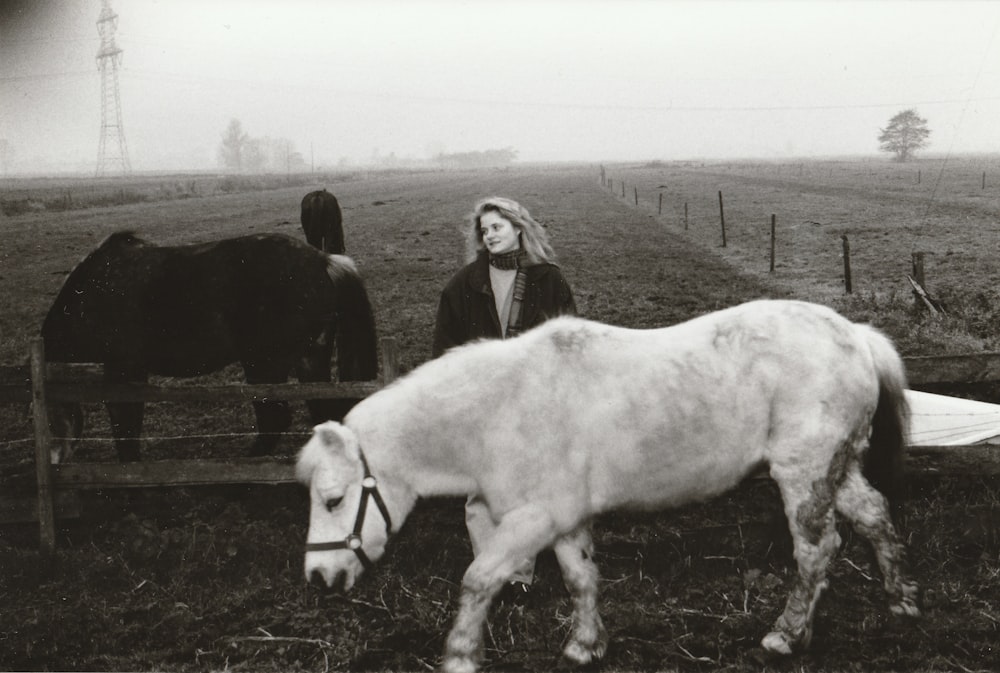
57,486
69,381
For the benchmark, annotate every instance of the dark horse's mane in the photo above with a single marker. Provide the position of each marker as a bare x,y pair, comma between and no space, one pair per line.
268,301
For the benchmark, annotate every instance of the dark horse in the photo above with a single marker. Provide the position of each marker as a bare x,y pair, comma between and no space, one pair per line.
322,221
268,301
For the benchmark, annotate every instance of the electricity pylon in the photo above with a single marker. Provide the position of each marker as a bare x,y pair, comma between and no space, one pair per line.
112,152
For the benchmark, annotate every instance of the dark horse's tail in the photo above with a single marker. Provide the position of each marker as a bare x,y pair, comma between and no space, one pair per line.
356,340
884,466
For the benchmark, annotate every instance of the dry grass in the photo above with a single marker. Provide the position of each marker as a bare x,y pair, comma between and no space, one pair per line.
210,579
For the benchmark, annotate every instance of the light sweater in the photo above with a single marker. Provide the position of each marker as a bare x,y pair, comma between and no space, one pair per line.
502,282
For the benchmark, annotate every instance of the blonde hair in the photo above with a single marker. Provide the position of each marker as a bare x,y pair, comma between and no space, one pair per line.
534,238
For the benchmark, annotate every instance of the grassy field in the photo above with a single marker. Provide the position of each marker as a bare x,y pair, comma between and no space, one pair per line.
887,211
210,579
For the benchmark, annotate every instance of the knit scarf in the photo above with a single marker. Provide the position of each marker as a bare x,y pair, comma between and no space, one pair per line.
514,322
507,260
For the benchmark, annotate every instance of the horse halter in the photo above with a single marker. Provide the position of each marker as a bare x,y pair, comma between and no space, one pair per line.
369,489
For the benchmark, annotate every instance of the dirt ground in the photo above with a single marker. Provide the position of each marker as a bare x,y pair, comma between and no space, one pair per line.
211,579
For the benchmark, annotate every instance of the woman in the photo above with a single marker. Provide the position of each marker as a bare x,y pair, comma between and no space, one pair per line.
510,285
485,299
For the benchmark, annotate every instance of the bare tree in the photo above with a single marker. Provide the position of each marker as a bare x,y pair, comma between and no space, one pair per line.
234,143
241,153
254,156
906,133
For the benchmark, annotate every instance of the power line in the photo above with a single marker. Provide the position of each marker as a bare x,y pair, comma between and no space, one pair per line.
43,40
500,102
961,117
312,87
45,75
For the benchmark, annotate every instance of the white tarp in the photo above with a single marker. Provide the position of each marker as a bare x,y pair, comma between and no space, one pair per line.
939,420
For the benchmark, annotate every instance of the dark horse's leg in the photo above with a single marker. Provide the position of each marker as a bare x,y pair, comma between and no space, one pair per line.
352,331
314,367
273,416
126,417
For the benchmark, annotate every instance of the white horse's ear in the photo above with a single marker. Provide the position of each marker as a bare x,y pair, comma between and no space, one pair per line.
327,439
330,434
334,437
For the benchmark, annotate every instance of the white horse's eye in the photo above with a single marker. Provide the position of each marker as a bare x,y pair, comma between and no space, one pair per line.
333,503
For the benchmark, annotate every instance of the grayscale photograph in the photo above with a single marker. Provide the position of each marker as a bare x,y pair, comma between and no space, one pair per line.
481,335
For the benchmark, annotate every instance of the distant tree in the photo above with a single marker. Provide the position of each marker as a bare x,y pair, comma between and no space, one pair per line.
478,159
233,146
280,156
255,156
241,153
906,133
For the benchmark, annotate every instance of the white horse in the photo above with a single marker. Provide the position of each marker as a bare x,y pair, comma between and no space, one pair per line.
575,418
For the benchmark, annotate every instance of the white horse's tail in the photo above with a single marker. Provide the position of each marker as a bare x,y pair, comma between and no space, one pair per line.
884,464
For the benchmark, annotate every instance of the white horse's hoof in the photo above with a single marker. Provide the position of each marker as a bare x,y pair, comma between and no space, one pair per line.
776,642
906,608
580,652
575,654
906,605
458,665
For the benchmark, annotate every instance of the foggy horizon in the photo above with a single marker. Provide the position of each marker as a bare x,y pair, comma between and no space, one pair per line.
350,83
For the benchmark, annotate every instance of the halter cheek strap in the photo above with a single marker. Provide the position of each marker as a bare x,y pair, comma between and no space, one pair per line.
354,542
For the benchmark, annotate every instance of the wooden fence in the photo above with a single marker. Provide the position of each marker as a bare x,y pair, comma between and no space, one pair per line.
57,487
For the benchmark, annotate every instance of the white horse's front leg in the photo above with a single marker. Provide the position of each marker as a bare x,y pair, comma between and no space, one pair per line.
521,534
588,638
464,648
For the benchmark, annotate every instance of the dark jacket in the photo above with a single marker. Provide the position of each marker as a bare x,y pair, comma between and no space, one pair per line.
467,310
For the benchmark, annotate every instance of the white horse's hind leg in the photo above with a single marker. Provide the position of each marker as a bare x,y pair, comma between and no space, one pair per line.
809,508
521,535
868,513
588,638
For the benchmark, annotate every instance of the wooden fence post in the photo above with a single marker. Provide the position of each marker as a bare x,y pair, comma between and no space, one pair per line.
917,260
43,459
636,191
847,264
685,216
722,218
623,189
772,243
659,208
984,179
918,267
390,360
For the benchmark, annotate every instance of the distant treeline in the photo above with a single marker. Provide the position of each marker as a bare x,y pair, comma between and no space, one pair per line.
478,159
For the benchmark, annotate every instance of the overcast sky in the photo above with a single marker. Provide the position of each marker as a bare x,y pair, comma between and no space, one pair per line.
596,80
